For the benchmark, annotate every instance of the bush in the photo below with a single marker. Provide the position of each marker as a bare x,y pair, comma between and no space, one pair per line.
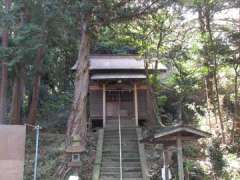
216,158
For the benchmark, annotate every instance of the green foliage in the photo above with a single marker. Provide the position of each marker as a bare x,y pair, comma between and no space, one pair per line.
167,35
216,157
162,100
51,149
194,170
192,151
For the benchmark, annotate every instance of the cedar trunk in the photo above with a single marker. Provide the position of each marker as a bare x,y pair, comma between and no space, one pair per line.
4,83
17,96
4,72
32,116
77,122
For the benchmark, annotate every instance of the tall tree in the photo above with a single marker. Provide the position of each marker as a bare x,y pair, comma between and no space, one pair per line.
18,88
4,71
32,116
205,16
17,95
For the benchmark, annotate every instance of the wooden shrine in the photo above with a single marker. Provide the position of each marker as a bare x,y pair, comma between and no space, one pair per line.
118,86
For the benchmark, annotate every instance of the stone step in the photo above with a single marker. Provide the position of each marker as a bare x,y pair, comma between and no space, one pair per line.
124,149
117,146
130,155
111,178
116,140
113,151
114,143
124,174
117,159
117,169
124,164
122,131
114,123
124,155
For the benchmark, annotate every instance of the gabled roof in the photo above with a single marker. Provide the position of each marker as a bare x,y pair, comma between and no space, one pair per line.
169,135
181,129
116,62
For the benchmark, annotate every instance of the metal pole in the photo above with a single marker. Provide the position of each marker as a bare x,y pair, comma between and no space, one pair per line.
104,105
120,136
136,104
36,152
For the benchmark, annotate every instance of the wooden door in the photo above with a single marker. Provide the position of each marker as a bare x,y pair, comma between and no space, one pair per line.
119,102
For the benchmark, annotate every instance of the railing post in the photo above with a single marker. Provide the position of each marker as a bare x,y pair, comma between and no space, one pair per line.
104,105
136,103
36,152
120,135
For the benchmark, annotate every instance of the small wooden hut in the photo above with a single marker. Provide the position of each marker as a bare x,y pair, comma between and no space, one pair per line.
176,135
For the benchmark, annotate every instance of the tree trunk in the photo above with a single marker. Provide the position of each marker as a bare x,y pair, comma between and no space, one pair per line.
208,107
17,96
236,115
32,116
19,84
77,122
3,95
211,64
213,56
207,62
4,72
4,82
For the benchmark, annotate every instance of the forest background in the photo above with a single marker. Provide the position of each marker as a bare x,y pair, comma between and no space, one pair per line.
199,42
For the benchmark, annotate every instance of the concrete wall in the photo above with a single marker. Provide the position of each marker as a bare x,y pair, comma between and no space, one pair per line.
12,150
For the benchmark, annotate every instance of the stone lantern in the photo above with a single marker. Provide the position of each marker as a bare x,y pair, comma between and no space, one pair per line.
74,151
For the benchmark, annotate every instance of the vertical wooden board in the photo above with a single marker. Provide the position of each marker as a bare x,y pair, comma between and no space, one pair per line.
142,104
12,151
96,103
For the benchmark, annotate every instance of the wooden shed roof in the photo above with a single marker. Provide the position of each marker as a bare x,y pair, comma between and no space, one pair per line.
168,134
183,129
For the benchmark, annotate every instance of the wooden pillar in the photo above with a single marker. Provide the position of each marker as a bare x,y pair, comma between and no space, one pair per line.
136,103
180,158
104,105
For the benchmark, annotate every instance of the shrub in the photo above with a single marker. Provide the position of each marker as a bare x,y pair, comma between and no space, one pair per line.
216,158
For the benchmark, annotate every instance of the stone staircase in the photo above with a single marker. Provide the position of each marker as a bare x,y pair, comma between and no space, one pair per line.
110,165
